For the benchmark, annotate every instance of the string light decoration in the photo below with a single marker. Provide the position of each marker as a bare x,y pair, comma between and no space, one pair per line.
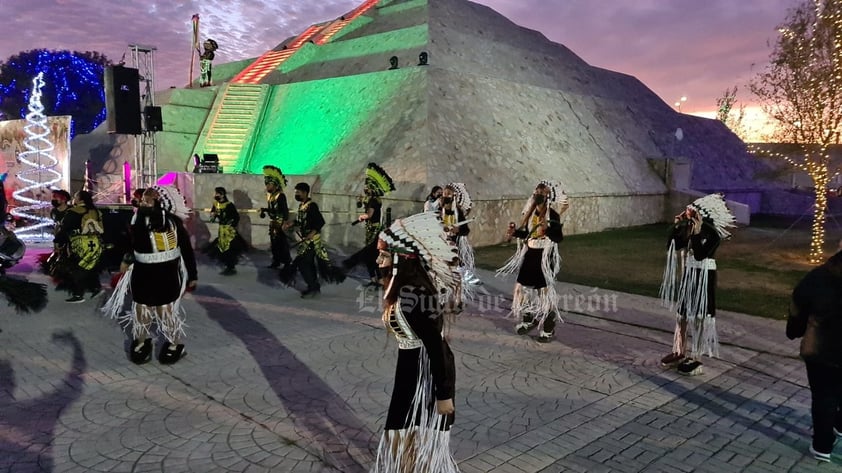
802,90
76,80
40,173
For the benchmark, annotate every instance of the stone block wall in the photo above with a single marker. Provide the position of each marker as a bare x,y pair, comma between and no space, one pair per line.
587,214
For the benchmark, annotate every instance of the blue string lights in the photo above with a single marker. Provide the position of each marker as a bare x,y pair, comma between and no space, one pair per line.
39,174
75,85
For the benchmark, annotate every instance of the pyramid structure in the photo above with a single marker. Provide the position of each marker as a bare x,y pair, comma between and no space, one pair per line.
498,107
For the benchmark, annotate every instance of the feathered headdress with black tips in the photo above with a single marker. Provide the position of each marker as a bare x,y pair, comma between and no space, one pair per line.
423,235
172,201
713,208
461,197
378,180
274,174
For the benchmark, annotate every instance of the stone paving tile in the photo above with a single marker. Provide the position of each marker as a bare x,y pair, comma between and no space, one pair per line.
274,383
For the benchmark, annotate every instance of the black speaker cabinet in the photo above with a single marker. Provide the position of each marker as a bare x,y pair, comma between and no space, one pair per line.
116,220
122,100
152,116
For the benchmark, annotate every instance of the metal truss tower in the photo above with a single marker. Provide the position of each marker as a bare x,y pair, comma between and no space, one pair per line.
145,159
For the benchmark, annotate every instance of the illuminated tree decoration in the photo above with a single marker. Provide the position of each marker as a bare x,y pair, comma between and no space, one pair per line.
801,89
39,173
75,81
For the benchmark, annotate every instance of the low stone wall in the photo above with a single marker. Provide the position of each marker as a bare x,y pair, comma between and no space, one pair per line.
587,214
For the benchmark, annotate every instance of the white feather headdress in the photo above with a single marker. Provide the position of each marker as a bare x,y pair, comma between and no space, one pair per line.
423,235
462,198
713,207
172,201
556,194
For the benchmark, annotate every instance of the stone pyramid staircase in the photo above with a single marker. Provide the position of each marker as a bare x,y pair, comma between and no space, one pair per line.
236,117
240,106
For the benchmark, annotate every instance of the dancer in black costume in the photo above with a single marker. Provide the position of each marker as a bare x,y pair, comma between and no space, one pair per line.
421,276
160,269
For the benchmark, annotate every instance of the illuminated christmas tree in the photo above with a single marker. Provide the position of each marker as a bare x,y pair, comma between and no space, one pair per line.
39,173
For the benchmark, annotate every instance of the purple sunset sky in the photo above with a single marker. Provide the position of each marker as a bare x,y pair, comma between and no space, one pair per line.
676,47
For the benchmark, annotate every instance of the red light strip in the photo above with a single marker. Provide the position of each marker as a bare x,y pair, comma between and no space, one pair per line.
270,60
342,22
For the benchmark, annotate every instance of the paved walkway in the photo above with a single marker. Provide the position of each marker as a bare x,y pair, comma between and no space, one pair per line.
277,383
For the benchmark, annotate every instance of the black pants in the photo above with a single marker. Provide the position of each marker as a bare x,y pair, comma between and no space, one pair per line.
307,266
368,256
280,248
229,258
82,280
826,389
406,383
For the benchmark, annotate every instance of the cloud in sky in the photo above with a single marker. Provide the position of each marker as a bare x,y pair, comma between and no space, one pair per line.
676,47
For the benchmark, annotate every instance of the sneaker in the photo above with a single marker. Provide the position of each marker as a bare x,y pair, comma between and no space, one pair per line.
544,337
690,367
672,359
228,272
274,265
75,299
837,433
310,293
822,457
96,292
140,352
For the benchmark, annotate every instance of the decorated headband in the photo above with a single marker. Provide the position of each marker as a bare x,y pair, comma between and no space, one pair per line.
378,180
712,207
274,174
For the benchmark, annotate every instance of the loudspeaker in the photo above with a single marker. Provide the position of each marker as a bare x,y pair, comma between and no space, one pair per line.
122,100
152,116
116,222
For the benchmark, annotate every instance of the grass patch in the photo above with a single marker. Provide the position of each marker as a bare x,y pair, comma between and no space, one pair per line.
758,267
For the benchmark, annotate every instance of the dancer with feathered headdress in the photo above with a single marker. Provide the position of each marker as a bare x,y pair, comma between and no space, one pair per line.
456,205
419,262
378,183
689,282
537,261
278,212
159,270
